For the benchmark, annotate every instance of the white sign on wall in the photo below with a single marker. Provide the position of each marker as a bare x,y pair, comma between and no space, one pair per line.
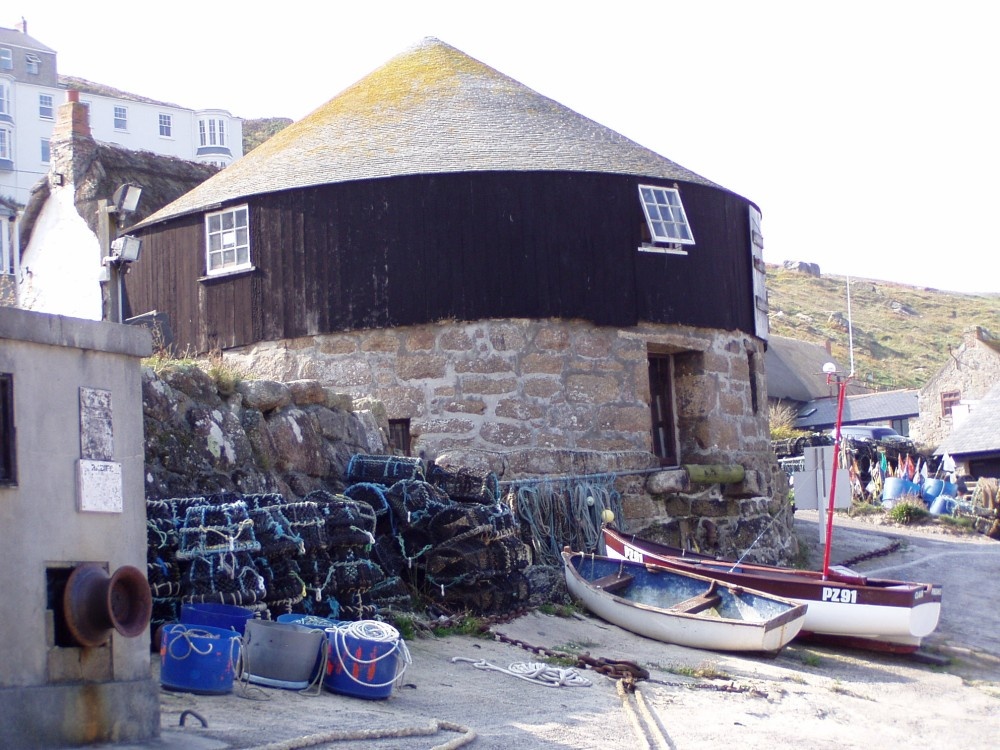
99,486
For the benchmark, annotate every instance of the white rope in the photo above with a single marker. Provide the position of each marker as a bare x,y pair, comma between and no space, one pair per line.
648,725
536,672
467,736
370,630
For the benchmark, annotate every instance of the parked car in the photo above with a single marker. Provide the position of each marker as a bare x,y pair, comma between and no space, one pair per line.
873,433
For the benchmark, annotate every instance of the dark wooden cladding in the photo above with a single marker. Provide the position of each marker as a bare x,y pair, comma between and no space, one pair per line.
418,249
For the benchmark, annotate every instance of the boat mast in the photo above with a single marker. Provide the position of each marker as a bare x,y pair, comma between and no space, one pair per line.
833,376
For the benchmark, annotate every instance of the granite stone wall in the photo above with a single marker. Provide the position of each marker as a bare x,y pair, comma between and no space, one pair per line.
530,398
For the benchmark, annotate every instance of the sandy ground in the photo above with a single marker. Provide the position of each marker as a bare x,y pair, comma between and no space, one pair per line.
806,697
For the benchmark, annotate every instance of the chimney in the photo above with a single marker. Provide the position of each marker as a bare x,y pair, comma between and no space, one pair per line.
73,146
23,26
73,118
829,347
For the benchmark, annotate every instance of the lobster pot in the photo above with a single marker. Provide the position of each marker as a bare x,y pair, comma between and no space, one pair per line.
282,654
198,658
385,470
366,659
465,484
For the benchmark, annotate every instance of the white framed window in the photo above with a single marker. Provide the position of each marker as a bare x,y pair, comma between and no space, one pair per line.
31,64
166,126
4,98
212,132
6,59
46,110
46,151
121,118
227,241
6,144
665,215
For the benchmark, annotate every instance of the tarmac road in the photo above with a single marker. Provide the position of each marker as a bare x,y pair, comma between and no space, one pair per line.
807,697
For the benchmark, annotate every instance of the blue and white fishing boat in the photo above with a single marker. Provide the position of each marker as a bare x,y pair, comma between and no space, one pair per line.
681,608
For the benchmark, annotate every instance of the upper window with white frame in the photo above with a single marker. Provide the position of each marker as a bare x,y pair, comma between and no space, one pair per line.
6,59
4,99
46,151
166,126
46,109
31,63
121,118
227,236
665,215
6,144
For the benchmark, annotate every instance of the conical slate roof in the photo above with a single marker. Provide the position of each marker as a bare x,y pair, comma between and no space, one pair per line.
431,109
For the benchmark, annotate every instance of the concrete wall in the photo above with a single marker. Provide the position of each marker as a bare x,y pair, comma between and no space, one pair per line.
52,695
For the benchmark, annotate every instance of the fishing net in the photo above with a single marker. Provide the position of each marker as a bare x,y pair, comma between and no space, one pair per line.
274,532
565,512
472,559
353,573
466,485
282,582
462,521
215,530
306,522
348,523
164,578
502,594
391,595
230,578
264,500
385,470
415,502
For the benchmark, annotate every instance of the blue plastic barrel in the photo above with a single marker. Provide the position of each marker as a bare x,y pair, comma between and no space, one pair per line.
223,616
931,489
198,658
893,488
366,659
943,505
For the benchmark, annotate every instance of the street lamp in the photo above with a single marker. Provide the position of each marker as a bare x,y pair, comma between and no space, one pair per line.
123,250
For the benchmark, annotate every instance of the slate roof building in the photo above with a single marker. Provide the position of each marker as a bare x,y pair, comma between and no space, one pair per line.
975,441
951,393
513,280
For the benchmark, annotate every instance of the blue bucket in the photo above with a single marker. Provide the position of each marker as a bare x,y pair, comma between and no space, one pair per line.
198,658
943,506
893,488
222,616
931,489
366,659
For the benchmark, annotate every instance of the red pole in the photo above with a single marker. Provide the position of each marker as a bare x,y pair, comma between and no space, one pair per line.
841,388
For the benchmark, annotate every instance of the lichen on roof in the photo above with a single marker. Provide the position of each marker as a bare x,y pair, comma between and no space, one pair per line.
430,110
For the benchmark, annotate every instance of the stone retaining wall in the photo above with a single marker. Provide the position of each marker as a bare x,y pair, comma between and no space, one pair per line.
536,398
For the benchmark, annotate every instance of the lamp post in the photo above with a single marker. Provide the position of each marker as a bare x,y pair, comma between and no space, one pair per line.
122,250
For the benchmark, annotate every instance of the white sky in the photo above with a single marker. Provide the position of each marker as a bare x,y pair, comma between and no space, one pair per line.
866,131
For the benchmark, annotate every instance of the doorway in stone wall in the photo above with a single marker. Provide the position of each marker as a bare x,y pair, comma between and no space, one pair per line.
661,404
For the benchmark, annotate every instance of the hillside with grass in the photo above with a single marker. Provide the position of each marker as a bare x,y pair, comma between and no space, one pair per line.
902,334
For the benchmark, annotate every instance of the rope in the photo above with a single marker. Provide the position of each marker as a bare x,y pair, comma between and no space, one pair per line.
536,672
467,736
565,512
375,631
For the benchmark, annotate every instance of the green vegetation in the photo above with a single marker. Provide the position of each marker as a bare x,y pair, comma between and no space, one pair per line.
467,625
909,512
902,334
705,671
258,130
782,421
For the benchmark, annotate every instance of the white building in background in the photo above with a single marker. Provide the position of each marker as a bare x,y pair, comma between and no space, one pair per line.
31,91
